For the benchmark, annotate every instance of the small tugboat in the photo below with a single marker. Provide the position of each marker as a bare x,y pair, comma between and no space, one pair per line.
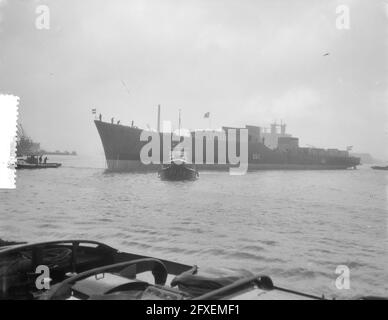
90,270
32,162
379,168
178,170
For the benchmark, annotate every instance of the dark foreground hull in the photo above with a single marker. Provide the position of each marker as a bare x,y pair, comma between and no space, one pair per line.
82,269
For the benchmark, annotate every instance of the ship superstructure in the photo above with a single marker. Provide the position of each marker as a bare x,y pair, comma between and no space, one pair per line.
25,145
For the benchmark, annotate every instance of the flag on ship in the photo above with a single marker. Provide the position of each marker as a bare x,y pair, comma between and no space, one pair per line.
206,115
94,111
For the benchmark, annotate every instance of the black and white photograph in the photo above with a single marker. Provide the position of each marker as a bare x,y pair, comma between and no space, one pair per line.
192,150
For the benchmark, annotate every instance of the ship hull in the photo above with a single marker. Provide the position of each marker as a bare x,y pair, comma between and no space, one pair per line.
138,166
122,148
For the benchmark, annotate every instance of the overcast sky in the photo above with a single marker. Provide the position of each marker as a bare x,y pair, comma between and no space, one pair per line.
245,62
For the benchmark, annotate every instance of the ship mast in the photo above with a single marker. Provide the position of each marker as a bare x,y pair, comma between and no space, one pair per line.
179,128
158,126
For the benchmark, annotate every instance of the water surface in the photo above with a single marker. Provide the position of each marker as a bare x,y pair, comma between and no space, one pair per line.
295,226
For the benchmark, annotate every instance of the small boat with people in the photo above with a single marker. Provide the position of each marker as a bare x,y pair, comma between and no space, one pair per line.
29,154
91,270
35,162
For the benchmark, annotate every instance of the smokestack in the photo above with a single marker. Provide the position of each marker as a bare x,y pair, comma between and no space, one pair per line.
158,117
283,128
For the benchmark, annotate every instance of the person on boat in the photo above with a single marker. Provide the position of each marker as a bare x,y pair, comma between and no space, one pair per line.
100,117
45,160
118,122
112,120
40,159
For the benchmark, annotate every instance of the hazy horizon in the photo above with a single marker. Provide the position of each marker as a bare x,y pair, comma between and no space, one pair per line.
246,62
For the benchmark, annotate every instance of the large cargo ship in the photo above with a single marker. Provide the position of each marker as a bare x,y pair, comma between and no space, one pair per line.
267,150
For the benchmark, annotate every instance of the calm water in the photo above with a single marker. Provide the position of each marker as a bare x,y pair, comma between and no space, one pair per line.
296,226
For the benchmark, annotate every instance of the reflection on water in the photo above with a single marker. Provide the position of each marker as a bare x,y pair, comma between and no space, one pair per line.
296,226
